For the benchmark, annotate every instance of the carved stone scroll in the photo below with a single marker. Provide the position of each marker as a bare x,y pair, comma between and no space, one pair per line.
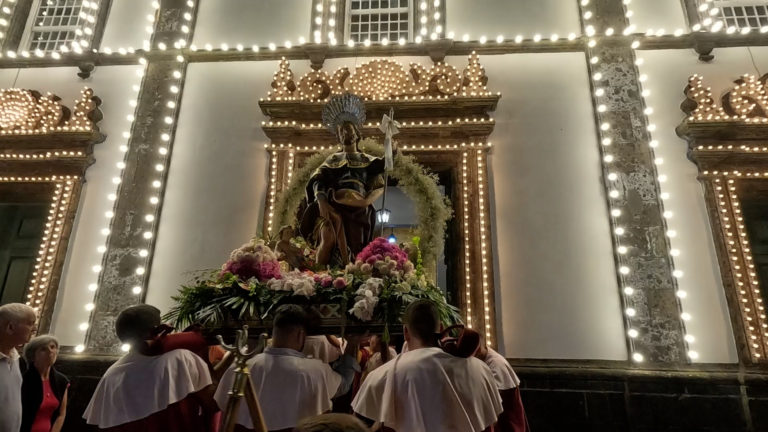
382,79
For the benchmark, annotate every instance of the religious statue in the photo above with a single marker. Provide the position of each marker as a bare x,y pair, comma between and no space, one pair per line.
287,252
340,219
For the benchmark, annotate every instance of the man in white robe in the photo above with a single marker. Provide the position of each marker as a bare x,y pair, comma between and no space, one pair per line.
164,392
513,418
427,389
290,386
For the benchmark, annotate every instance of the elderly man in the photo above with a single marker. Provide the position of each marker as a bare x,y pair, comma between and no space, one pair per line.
427,389
149,391
289,386
16,324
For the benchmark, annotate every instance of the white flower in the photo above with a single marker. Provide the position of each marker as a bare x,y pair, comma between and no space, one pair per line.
363,308
304,287
373,284
277,285
299,283
403,287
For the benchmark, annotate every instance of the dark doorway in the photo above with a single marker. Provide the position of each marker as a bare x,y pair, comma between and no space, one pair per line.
21,230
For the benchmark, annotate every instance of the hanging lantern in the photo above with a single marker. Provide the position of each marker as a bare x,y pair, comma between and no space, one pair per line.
382,216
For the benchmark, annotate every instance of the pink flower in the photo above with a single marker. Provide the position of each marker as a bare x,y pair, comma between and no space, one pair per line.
326,281
379,249
340,283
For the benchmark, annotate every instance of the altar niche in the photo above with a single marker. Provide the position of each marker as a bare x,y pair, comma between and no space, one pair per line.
444,113
728,141
45,149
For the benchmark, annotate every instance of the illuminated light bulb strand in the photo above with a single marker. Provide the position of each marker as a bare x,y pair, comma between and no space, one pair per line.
741,259
666,208
465,210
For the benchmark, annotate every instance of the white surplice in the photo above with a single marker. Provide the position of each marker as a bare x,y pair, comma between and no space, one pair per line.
318,347
289,387
505,376
429,390
137,386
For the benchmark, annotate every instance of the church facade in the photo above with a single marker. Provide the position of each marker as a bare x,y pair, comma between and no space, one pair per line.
605,161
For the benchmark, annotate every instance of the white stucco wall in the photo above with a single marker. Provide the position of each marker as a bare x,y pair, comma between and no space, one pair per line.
252,22
658,14
218,175
126,24
557,295
113,85
668,73
511,17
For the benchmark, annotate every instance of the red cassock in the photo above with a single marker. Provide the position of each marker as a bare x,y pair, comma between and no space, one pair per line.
513,418
183,416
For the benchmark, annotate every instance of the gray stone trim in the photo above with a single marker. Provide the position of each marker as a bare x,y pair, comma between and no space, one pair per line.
657,317
122,258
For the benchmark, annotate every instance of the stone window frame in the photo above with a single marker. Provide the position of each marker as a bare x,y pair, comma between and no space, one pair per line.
696,16
47,164
431,133
19,26
349,13
728,143
323,15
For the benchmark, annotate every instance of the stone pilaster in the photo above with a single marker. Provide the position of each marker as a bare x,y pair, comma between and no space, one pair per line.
128,259
649,267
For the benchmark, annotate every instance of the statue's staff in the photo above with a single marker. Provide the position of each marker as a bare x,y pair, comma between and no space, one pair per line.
390,127
242,386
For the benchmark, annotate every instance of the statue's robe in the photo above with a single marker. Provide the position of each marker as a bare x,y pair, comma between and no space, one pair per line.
347,180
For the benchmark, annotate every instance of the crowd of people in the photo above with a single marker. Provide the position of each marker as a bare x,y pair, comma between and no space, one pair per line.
171,382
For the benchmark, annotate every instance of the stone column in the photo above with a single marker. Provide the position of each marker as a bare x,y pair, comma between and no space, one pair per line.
649,265
127,261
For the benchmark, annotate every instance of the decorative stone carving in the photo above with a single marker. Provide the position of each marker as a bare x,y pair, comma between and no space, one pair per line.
382,79
27,112
747,102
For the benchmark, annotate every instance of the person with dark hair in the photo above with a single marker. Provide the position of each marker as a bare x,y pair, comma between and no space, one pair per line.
44,391
427,389
381,353
150,390
289,386
331,423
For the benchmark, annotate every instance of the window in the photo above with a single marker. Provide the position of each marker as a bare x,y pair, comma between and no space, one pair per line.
54,24
741,13
376,20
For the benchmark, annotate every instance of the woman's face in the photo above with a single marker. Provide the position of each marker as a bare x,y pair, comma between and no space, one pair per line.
46,355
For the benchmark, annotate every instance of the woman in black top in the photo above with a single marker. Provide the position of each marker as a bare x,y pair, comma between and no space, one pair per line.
44,389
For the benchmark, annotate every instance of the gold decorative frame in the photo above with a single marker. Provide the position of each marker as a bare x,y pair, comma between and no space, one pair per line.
728,141
445,117
45,149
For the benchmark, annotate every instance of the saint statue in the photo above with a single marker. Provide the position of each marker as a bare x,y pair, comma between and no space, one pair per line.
340,219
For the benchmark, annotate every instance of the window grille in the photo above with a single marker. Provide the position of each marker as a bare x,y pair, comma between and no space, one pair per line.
55,23
375,20
742,13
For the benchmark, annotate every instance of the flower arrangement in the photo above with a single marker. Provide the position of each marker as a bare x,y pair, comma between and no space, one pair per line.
375,288
253,260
